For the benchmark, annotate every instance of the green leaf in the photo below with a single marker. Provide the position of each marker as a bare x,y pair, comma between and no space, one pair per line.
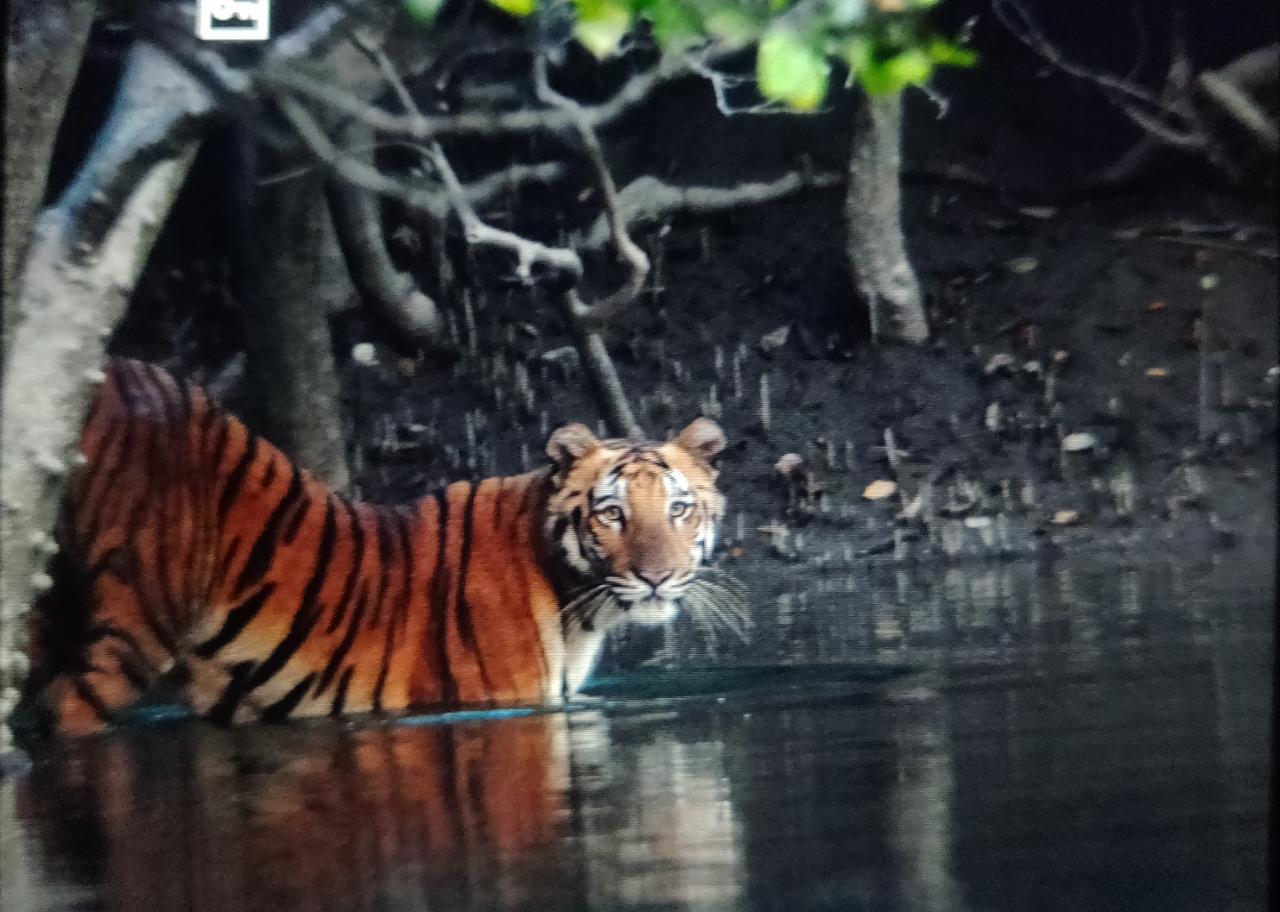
858,53
790,70
876,79
729,24
601,25
911,67
423,10
884,77
676,26
944,53
520,8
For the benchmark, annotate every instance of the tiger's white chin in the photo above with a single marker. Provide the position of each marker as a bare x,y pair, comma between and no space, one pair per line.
652,611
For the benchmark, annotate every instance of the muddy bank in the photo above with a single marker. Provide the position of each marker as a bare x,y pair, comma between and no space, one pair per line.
1100,378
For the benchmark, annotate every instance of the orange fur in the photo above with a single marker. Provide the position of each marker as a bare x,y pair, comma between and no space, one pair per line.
189,541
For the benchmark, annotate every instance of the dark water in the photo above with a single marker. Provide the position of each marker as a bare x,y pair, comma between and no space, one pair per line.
985,738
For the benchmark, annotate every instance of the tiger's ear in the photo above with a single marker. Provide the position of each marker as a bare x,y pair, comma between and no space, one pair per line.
703,438
570,443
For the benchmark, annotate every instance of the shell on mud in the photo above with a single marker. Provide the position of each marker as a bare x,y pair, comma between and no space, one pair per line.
880,489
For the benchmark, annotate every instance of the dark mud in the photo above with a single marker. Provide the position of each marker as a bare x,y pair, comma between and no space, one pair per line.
1146,321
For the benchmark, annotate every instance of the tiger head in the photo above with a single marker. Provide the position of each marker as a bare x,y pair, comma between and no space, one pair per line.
636,525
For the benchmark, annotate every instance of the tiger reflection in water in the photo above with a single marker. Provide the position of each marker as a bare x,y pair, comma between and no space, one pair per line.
197,818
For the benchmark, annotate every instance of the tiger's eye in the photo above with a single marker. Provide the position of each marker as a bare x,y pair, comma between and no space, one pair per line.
680,510
611,514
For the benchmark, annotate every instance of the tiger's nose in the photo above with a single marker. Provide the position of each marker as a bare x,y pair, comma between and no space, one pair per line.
654,578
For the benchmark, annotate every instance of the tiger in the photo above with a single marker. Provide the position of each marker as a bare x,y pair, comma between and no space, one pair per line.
192,549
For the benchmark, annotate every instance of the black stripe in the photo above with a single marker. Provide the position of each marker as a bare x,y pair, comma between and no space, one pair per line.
237,619
139,512
95,403
384,568
160,486
131,669
270,474
229,557
498,501
129,392
111,436
399,607
534,498
340,698
109,481
101,632
212,415
383,668
160,385
406,551
85,691
466,623
264,549
224,710
306,616
109,563
335,660
295,521
164,489
235,479
184,400
438,599
122,564
280,710
357,564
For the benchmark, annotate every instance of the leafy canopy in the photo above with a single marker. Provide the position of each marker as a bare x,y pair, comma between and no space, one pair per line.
886,45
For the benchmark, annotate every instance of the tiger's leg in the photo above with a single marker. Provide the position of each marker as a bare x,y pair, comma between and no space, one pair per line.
121,649
215,691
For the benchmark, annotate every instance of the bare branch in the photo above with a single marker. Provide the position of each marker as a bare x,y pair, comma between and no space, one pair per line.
1173,117
476,231
1236,103
421,126
599,367
1014,17
636,259
649,199
388,291
527,252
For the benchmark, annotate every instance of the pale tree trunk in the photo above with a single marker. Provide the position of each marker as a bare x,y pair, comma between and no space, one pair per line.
46,43
83,261
877,250
81,267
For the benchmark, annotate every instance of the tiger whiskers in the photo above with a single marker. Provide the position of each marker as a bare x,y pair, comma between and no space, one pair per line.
581,609
717,601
